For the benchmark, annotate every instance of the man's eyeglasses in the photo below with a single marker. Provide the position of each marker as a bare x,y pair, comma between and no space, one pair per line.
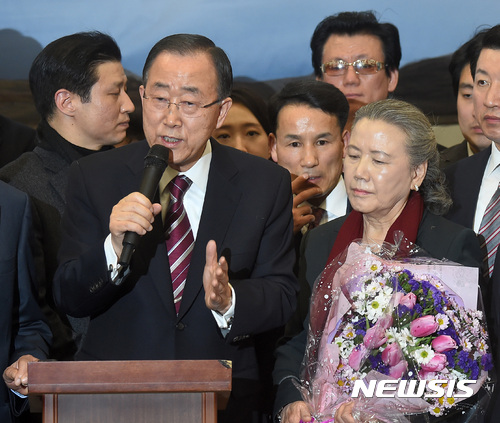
361,67
186,108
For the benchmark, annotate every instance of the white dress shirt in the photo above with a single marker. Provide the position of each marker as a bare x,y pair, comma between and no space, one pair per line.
489,185
335,204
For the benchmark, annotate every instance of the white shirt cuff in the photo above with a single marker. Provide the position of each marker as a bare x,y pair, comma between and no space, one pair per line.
111,257
226,320
19,395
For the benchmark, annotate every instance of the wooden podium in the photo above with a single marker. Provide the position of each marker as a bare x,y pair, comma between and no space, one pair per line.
130,391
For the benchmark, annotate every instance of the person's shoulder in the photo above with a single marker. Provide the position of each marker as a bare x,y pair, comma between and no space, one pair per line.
11,196
476,161
326,230
116,156
442,226
453,154
248,165
27,163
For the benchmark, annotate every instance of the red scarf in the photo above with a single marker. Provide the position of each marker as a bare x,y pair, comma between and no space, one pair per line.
408,222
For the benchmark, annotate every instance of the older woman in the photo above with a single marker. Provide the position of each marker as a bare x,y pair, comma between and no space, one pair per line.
394,183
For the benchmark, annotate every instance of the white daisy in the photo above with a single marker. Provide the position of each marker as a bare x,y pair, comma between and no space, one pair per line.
424,354
442,320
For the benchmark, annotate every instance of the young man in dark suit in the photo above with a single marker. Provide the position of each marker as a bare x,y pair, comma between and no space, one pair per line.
475,180
79,89
462,82
239,280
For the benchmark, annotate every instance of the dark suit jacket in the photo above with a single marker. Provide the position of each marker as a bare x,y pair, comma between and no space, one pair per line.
436,235
43,175
464,181
24,330
453,154
247,211
15,139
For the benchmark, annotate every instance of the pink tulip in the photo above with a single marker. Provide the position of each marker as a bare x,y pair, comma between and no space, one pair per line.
443,343
437,363
392,355
423,326
357,356
375,336
398,370
408,300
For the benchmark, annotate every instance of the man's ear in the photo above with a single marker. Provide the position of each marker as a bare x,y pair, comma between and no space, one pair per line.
142,89
66,101
272,147
346,136
224,109
393,80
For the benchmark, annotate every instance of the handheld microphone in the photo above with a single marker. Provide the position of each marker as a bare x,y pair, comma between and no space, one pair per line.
155,164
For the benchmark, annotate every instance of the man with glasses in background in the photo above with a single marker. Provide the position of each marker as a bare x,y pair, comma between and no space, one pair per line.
232,280
357,54
360,57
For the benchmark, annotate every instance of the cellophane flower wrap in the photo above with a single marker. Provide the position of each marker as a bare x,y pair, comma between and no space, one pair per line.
389,315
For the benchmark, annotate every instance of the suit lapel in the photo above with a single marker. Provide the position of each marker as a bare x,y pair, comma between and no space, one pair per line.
221,200
472,180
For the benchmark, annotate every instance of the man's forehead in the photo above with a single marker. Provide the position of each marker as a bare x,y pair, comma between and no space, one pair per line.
357,46
303,114
191,72
111,72
488,57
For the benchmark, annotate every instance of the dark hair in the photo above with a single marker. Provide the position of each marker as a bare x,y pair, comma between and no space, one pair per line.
253,102
71,63
462,57
312,93
356,23
490,39
189,44
421,146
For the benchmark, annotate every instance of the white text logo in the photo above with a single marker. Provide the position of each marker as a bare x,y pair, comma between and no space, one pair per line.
413,388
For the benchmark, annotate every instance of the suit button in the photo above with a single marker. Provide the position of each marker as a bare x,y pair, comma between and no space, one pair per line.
180,326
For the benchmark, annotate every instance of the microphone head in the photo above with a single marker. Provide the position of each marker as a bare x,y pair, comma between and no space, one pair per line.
157,157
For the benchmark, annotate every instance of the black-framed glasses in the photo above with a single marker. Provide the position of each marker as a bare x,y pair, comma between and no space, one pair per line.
360,66
186,108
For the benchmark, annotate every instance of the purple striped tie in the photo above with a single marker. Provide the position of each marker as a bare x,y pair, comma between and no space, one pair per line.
490,230
180,240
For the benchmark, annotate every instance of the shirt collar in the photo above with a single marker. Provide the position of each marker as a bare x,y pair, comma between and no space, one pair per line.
198,173
336,202
493,161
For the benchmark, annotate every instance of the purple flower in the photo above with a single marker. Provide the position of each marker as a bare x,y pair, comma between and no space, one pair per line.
474,370
464,361
487,362
450,356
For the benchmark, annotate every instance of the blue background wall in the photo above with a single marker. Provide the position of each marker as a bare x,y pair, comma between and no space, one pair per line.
265,39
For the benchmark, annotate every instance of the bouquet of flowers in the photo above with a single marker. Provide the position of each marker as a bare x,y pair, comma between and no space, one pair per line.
374,320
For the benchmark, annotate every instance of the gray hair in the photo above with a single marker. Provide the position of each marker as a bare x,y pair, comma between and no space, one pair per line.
421,146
